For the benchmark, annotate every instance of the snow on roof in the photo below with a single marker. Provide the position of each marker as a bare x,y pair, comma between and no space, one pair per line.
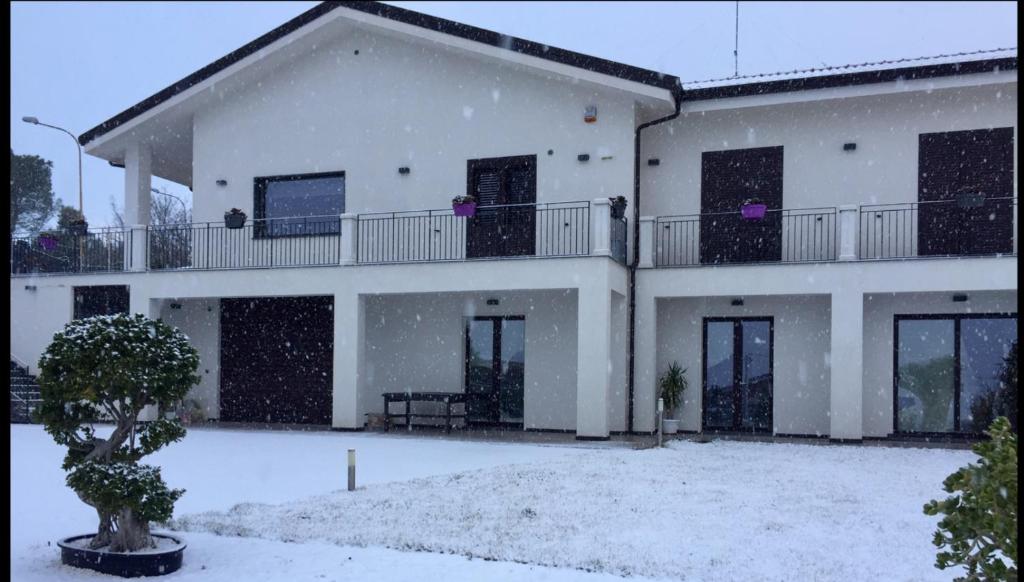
1010,52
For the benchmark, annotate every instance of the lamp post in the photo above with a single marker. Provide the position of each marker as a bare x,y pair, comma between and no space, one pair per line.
35,121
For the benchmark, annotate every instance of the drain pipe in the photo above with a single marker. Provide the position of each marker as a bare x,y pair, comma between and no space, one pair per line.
677,96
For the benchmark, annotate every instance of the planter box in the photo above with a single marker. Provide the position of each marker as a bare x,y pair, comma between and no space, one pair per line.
753,211
467,209
234,220
619,209
126,565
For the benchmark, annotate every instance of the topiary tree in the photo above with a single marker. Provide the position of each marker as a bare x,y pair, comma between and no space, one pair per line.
116,365
980,523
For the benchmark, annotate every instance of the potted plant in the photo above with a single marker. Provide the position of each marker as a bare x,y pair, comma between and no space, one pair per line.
78,227
671,385
753,209
117,365
618,207
234,218
48,242
464,205
191,412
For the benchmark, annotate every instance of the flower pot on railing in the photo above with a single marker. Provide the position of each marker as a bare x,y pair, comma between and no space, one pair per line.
48,242
753,211
464,206
78,228
234,218
618,207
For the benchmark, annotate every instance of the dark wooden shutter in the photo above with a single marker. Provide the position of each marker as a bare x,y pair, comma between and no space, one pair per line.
728,178
504,230
952,166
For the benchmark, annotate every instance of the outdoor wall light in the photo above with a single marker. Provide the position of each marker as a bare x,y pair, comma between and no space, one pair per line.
583,157
849,147
737,302
959,298
175,305
222,182
654,162
493,302
403,170
30,287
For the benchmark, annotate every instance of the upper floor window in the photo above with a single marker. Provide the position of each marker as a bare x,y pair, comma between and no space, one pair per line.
299,205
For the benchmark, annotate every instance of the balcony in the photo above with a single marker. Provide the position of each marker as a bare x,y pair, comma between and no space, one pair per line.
970,226
545,230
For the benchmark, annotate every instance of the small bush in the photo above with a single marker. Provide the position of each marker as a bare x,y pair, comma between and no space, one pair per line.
979,530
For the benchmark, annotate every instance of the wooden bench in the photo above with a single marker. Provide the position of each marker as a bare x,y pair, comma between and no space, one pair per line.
448,398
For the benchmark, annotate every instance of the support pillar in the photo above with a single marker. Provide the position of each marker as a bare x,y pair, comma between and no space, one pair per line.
646,242
645,397
349,339
139,302
846,417
848,227
348,239
138,179
593,362
601,226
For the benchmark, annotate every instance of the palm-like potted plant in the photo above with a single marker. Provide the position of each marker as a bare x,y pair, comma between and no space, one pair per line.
618,206
672,385
464,205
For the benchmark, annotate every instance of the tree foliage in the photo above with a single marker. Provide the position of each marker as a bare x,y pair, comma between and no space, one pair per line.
116,365
979,527
32,200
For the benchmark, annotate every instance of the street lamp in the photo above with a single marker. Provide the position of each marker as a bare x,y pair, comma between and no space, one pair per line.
35,121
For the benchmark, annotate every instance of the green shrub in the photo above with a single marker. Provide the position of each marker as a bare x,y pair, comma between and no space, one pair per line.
979,527
116,365
672,385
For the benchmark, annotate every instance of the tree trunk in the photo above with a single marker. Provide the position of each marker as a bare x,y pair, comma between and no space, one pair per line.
132,533
104,532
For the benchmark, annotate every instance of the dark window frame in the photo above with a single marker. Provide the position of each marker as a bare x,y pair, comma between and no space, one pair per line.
260,220
957,387
495,364
737,363
80,296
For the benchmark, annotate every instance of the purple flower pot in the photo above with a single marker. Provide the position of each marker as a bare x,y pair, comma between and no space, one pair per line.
753,211
467,209
48,243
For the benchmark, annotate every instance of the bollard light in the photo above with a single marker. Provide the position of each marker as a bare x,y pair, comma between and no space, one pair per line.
351,469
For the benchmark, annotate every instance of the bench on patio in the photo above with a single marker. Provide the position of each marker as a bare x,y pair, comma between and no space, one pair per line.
447,398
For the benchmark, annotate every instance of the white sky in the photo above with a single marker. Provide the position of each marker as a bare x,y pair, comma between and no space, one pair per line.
77,64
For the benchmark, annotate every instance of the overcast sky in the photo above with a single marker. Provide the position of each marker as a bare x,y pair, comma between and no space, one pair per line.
76,64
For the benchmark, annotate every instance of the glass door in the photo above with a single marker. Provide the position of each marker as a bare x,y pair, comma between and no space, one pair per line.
738,374
495,369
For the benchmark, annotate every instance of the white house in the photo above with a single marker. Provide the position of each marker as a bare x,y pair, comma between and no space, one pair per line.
876,297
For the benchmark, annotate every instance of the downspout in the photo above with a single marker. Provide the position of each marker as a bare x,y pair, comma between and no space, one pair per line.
677,96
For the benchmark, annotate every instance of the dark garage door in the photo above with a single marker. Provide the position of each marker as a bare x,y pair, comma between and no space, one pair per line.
277,359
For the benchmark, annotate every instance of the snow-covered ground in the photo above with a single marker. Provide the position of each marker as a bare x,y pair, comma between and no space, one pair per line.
486,511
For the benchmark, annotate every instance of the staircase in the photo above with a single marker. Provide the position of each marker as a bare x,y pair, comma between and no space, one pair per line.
25,395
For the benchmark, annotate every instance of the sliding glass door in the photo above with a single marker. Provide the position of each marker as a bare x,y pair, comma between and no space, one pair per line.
949,372
738,374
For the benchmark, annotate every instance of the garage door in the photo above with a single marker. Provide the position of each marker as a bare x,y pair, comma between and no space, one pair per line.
277,359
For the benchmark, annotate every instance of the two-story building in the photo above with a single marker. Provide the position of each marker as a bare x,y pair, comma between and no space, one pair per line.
829,254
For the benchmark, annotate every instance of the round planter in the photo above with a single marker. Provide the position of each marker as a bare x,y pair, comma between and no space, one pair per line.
163,560
234,220
669,426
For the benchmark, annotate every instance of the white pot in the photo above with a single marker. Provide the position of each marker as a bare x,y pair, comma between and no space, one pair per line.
669,426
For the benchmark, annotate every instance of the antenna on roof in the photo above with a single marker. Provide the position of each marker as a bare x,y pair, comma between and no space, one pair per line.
736,47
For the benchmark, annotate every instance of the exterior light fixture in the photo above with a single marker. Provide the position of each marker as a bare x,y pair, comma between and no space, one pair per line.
654,162
959,298
737,302
403,170
583,157
849,147
590,114
222,182
493,302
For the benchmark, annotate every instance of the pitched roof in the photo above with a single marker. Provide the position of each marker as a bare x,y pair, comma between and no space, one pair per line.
514,44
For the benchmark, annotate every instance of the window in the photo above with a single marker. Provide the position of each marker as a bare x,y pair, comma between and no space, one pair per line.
299,205
949,371
100,300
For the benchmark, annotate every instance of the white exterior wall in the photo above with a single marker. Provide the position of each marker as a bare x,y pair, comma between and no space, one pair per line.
879,313
400,103
816,171
38,310
800,374
199,319
417,342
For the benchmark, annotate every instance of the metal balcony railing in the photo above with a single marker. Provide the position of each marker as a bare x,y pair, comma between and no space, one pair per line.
782,236
555,229
970,225
100,250
263,243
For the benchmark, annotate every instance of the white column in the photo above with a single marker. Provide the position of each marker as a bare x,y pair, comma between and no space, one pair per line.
135,255
349,224
848,232
138,178
139,302
349,338
646,242
847,366
593,362
600,226
645,360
